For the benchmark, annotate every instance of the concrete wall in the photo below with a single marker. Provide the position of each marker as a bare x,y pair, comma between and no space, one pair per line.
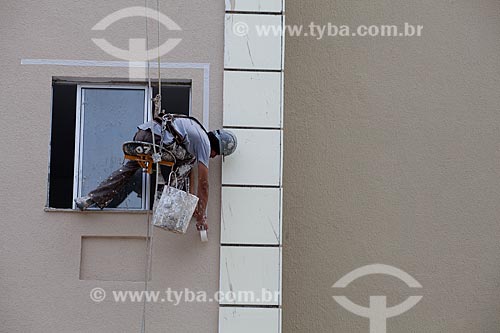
392,156
42,286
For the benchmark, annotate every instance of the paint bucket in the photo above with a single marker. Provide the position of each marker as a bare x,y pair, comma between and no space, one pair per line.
174,210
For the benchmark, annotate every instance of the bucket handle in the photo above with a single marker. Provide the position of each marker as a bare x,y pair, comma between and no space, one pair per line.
170,177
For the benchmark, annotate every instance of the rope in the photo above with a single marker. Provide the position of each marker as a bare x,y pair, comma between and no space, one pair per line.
150,229
147,43
156,157
158,55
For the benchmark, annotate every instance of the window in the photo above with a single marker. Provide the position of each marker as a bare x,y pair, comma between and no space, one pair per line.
89,124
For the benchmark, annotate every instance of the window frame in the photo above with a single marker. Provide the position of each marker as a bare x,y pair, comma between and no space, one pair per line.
80,112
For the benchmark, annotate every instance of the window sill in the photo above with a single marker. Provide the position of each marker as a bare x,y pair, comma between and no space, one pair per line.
96,211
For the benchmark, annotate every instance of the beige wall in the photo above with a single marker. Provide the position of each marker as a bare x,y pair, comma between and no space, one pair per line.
41,290
392,156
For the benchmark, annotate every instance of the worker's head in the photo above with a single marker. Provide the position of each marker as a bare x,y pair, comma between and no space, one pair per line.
222,142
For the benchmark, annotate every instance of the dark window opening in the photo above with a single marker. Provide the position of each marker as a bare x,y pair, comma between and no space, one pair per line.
62,146
174,99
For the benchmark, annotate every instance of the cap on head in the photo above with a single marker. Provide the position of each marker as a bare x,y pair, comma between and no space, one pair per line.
223,142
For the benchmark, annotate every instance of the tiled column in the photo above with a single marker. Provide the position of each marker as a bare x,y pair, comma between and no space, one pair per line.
252,176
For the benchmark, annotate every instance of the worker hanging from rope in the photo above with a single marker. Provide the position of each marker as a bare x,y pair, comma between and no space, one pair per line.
181,140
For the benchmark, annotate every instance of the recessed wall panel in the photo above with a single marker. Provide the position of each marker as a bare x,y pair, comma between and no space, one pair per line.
112,258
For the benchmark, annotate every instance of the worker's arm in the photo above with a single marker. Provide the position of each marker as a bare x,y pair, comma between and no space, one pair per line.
203,197
191,183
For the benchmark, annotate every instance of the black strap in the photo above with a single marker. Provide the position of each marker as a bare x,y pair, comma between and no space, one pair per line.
169,126
174,115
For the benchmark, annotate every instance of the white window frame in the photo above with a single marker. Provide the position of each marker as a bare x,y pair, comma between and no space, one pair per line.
80,111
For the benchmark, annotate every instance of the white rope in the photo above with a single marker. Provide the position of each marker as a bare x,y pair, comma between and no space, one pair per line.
147,43
150,229
157,99
158,50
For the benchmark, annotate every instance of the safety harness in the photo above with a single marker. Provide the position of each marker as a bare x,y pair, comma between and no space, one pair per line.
167,123
183,160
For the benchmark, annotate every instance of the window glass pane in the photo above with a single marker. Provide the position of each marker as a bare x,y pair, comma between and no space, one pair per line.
110,117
